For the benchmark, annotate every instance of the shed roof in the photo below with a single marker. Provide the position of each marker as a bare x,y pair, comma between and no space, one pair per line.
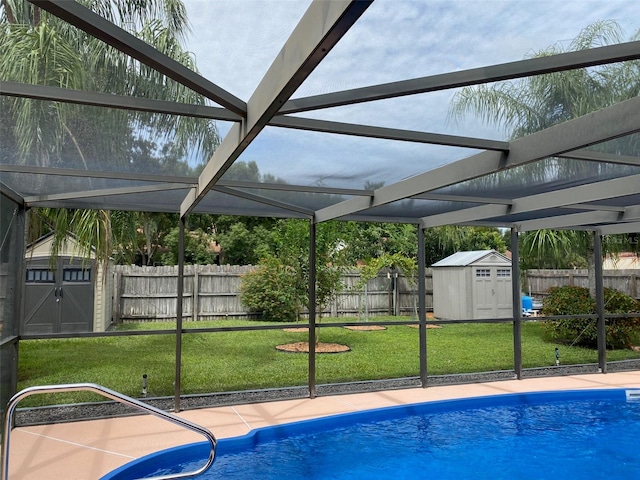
622,261
42,247
463,259
357,164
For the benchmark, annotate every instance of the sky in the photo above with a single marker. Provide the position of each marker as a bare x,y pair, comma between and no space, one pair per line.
235,42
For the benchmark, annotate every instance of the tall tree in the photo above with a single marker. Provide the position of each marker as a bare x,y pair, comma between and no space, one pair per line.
534,103
38,48
367,240
440,242
279,287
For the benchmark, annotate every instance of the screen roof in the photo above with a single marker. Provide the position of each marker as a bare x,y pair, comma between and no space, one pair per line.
337,110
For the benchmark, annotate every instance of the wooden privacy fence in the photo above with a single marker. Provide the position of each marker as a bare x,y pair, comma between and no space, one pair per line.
150,293
538,282
213,292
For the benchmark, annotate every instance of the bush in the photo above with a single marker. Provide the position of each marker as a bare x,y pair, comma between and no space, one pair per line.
584,331
271,290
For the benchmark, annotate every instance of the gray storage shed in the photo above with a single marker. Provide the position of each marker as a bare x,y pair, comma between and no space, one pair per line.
72,297
472,285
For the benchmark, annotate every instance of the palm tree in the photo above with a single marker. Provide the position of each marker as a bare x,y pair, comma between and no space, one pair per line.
38,48
531,104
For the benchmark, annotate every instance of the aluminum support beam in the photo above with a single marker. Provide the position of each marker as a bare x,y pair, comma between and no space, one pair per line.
175,183
517,303
321,27
121,102
602,328
561,198
44,199
632,227
249,211
382,218
312,310
591,192
81,17
608,123
72,172
11,194
568,221
465,215
631,213
368,131
592,207
287,187
347,207
445,197
264,200
475,76
177,385
422,307
592,156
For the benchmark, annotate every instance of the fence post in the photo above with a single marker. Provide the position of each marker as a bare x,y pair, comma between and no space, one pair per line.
196,291
117,298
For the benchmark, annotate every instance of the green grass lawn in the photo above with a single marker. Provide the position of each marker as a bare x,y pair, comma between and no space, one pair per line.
231,361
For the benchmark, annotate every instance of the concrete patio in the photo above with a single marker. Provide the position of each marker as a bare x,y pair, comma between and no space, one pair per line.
89,449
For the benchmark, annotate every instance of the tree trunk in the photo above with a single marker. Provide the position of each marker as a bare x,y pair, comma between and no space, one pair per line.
8,12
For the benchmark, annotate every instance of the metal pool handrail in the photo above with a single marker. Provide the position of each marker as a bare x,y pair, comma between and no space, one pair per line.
113,395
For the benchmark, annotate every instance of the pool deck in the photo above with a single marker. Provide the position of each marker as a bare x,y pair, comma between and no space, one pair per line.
89,449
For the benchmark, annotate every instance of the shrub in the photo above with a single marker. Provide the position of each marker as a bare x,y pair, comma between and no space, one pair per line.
271,290
584,331
621,331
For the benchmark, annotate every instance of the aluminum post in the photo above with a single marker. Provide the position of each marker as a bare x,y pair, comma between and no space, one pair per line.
517,303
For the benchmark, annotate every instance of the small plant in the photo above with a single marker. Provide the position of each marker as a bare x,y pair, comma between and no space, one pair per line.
583,331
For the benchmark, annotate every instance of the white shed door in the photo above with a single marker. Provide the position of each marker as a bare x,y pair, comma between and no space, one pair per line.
504,299
492,292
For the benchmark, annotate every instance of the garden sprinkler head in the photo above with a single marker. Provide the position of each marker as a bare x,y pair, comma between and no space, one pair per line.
557,357
144,385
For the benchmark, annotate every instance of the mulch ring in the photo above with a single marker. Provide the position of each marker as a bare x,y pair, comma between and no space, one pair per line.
365,328
358,328
361,328
303,347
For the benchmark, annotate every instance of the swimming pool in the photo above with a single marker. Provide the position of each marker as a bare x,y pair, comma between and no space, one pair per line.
570,434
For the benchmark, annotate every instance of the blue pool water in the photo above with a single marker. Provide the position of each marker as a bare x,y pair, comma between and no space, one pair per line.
549,435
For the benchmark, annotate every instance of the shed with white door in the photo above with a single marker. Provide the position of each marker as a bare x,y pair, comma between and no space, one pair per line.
472,285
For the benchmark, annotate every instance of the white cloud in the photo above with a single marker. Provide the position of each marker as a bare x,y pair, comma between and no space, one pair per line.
236,41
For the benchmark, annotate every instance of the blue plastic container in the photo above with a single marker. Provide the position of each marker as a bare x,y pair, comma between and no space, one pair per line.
527,303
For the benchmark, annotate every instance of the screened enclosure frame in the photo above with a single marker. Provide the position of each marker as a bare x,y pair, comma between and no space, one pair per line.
444,195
